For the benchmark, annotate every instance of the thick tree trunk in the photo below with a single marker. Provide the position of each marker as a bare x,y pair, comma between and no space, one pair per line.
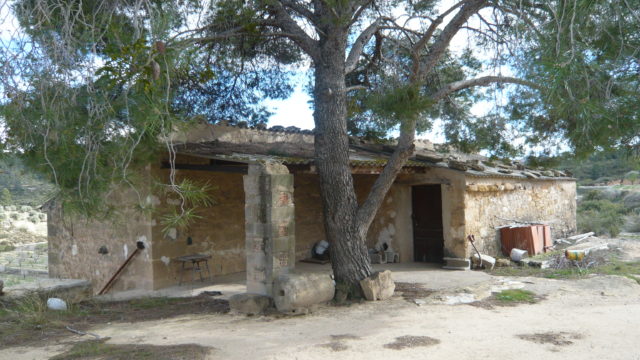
349,255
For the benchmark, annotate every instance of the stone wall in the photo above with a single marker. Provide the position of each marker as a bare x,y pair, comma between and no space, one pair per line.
493,202
94,250
219,232
390,224
269,225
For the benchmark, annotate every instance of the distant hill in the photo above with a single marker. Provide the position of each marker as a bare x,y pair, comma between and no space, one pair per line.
25,187
598,169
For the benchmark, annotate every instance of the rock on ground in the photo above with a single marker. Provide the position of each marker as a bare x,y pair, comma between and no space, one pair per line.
379,286
296,293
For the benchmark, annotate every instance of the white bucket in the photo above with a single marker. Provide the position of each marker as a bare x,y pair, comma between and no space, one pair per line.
518,254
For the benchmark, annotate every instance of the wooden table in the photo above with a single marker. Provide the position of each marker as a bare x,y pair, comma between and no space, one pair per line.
197,262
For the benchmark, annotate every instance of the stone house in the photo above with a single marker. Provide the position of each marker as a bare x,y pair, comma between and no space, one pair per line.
267,213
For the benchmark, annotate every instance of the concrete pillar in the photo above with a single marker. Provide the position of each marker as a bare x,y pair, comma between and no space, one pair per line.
269,225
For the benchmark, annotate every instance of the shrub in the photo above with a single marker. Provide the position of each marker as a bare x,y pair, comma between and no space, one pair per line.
632,176
601,216
5,197
593,195
614,195
632,200
34,219
632,223
14,216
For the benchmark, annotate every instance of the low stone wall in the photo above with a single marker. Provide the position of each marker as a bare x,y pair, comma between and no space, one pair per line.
491,203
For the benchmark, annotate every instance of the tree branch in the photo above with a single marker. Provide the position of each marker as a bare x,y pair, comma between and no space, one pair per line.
424,39
301,9
284,21
358,45
442,42
404,150
482,81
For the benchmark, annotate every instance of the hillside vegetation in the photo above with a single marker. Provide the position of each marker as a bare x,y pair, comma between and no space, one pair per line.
19,186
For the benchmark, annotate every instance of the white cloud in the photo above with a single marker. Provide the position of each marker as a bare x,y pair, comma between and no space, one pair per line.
294,111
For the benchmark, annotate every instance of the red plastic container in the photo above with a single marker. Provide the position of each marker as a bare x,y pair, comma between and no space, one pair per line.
535,239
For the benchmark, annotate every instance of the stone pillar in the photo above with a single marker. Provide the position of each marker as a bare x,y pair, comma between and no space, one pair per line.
269,225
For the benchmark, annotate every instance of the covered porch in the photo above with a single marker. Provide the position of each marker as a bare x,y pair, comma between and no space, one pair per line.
431,276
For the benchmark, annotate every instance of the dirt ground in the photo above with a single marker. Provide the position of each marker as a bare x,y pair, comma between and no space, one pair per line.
593,318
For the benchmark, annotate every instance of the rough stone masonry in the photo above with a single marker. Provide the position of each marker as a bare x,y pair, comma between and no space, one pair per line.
270,225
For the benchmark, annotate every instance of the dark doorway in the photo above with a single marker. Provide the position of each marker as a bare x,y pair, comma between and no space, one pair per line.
428,239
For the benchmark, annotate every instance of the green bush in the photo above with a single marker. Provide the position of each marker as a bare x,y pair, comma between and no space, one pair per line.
14,216
633,176
593,195
632,223
632,200
601,216
5,197
614,195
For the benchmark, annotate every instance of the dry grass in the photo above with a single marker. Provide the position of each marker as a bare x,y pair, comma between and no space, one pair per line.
28,321
554,338
412,291
97,349
408,341
510,297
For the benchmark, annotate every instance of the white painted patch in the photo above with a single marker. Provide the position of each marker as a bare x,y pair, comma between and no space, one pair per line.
153,222
97,272
392,214
389,200
126,250
74,249
386,236
172,234
153,200
165,260
143,239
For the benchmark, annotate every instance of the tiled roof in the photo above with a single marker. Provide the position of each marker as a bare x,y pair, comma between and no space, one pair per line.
293,146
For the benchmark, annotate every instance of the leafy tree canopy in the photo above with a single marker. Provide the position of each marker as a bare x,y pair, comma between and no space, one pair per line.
91,86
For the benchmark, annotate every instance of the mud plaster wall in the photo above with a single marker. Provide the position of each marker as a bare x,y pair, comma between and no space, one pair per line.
491,203
219,233
74,244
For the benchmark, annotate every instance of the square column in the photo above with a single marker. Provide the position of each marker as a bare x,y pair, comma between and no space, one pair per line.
269,225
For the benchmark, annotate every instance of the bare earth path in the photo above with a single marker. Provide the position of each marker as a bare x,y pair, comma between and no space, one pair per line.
595,318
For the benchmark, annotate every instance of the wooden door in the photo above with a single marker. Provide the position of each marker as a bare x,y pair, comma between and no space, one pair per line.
428,239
